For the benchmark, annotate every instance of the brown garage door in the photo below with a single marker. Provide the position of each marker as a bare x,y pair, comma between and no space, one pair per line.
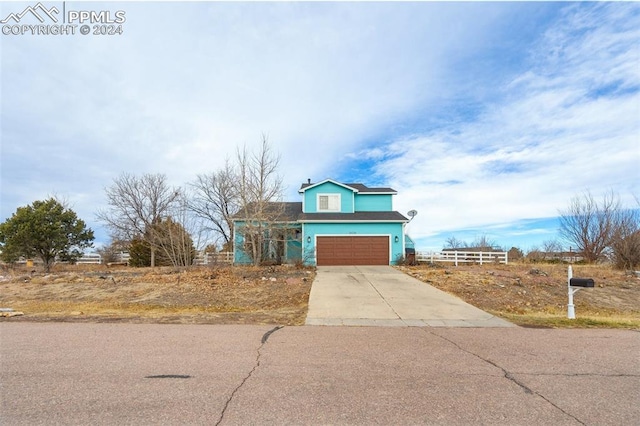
353,251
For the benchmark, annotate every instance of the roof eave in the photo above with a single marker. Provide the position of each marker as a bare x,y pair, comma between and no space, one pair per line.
378,193
353,220
301,190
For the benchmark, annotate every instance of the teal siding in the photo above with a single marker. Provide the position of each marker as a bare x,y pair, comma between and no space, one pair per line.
312,230
408,242
373,203
311,197
292,246
294,251
239,256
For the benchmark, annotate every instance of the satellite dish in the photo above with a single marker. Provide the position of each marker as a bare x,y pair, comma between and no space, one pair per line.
412,214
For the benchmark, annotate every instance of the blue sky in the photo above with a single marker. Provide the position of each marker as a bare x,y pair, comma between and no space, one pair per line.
485,117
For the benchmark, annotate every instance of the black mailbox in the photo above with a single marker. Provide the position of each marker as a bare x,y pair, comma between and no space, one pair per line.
581,282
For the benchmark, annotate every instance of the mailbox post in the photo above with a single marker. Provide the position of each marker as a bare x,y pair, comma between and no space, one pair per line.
575,284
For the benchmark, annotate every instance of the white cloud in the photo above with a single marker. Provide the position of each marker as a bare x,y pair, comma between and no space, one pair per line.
568,123
328,83
187,83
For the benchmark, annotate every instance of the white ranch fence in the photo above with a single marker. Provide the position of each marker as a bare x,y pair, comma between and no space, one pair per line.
90,258
86,259
200,259
463,257
223,257
213,258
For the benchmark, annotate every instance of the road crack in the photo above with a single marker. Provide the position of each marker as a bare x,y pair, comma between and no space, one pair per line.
507,375
263,342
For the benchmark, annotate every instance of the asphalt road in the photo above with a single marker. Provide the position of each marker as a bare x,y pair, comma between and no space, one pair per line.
72,374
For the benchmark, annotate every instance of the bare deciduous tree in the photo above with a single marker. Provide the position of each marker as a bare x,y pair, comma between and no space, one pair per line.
454,243
590,225
480,243
551,246
110,253
136,204
484,243
173,242
515,253
215,199
625,244
534,254
259,190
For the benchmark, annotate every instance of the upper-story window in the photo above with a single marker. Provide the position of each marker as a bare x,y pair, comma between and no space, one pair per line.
329,202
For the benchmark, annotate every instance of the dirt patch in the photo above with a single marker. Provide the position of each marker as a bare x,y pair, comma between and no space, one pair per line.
217,295
520,291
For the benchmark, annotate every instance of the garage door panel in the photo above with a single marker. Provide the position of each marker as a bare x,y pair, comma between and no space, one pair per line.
362,250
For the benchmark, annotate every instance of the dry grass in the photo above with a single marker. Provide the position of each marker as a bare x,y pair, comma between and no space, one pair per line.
536,295
560,320
195,295
529,295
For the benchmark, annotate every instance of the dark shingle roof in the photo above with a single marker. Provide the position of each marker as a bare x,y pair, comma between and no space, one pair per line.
292,212
281,211
356,217
361,188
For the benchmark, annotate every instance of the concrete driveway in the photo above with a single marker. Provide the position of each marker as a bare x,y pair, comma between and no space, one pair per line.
384,296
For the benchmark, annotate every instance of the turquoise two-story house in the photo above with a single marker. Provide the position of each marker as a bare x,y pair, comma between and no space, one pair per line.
335,224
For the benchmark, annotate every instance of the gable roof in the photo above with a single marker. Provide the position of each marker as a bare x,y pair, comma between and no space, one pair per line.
355,187
310,185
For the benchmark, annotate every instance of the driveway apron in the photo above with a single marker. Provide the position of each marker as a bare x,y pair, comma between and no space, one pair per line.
384,296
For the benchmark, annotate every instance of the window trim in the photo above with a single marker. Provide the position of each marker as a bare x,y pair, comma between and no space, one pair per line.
329,209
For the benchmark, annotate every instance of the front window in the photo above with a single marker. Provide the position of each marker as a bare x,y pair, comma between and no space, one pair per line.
329,202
